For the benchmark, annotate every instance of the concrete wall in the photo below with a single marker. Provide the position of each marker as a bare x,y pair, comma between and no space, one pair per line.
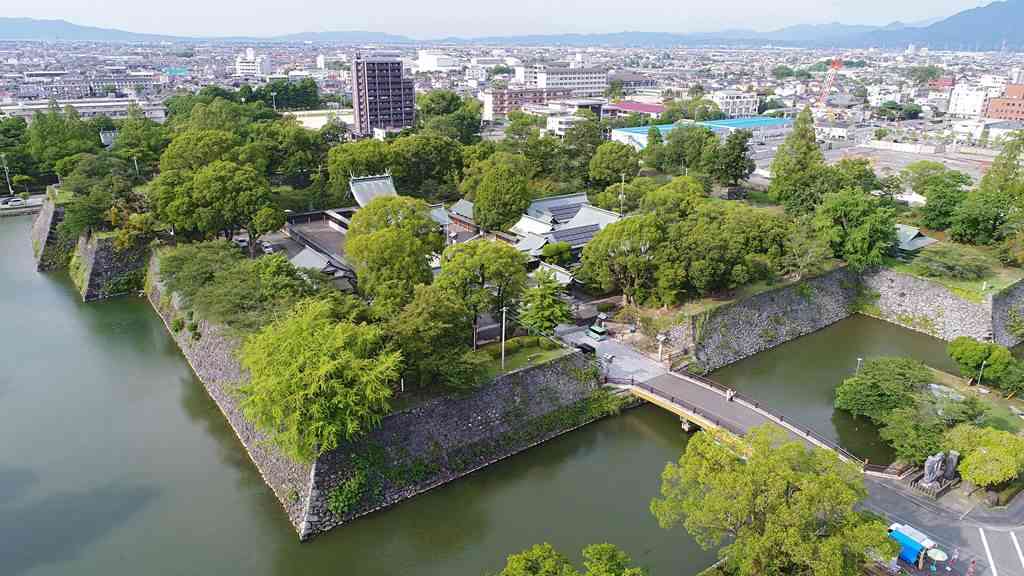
101,270
741,329
925,306
412,451
50,250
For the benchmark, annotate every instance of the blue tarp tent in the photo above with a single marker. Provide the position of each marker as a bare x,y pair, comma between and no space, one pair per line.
910,549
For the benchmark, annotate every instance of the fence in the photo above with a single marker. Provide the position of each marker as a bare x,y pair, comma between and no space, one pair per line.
804,432
694,410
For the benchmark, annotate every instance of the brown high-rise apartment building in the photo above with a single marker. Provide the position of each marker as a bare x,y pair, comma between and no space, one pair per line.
381,94
1008,107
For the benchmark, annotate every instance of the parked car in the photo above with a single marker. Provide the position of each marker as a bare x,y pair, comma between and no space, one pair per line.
14,202
242,243
269,247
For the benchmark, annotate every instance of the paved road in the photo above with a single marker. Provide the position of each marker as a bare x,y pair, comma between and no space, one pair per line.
626,363
998,548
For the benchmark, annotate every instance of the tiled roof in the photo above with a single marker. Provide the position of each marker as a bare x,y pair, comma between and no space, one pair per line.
576,237
366,188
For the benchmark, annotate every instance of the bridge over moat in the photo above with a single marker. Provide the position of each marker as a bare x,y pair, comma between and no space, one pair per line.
704,403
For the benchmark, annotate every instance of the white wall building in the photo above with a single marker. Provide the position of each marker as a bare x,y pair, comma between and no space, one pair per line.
735,103
968,101
880,94
249,65
113,108
436,61
557,125
583,82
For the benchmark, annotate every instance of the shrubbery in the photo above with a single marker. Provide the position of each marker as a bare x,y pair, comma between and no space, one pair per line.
947,261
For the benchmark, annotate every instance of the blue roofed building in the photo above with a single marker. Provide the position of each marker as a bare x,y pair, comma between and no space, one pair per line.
764,129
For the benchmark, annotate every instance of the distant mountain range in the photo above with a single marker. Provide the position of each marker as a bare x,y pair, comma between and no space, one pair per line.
994,26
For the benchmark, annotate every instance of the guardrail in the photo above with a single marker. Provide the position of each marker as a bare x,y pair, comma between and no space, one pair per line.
694,410
752,404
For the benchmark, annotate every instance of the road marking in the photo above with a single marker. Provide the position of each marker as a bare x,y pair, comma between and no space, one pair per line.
1016,544
988,551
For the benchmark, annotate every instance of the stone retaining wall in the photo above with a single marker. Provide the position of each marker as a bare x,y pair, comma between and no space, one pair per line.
100,270
437,442
412,451
741,329
1008,315
50,250
925,306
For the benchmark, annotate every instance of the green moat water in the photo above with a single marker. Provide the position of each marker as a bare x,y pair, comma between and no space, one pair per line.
115,461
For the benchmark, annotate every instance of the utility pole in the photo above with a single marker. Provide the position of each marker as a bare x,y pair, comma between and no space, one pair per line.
504,309
136,160
7,174
273,98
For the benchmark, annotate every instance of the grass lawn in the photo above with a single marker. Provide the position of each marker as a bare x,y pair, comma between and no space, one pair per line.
59,196
974,290
518,355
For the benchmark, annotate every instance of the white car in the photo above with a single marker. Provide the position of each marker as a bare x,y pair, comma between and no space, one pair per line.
15,203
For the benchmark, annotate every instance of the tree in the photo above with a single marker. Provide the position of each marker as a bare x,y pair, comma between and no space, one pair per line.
971,355
806,254
796,167
613,161
734,162
544,560
541,309
676,199
859,228
475,171
915,433
622,256
140,140
881,386
557,253
426,165
653,153
853,173
226,196
193,149
389,263
578,146
981,218
433,333
503,195
625,198
988,456
437,103
410,214
486,275
315,382
57,134
782,509
362,158
945,192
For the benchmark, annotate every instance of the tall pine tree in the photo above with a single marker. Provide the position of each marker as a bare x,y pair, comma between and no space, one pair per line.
798,167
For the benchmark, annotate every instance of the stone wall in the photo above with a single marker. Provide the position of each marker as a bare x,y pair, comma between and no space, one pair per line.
744,328
50,250
437,442
412,451
210,350
1008,315
925,306
100,270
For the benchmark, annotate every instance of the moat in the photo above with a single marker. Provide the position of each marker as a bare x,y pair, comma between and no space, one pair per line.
115,460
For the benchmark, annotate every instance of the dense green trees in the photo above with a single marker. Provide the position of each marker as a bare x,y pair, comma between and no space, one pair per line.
859,227
989,456
972,355
780,510
362,158
734,162
613,161
501,198
315,381
625,198
881,386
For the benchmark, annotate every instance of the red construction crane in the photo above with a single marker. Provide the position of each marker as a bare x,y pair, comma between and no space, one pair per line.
830,79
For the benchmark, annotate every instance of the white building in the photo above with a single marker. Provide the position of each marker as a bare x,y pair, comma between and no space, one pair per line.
249,65
583,82
436,61
557,125
113,108
880,94
735,103
968,101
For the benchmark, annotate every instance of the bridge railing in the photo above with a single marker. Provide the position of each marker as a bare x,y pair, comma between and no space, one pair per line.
694,410
795,427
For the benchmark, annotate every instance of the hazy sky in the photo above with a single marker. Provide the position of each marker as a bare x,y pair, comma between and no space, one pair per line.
436,18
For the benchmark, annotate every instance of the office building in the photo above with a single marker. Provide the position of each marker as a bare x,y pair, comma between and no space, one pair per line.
436,61
249,65
383,98
735,104
113,108
499,102
582,82
1009,106
968,101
